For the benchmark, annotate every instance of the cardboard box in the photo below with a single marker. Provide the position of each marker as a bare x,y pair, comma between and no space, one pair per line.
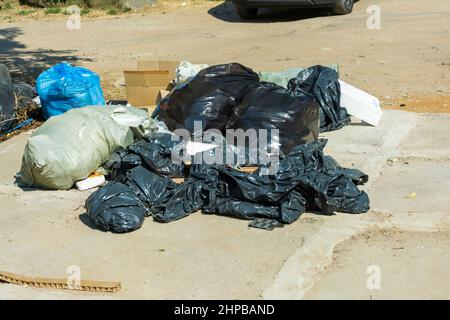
170,66
144,85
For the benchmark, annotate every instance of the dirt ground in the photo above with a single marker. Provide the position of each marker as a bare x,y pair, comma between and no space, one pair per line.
405,60
406,64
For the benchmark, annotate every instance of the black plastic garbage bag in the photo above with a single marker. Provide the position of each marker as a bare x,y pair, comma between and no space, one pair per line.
306,180
273,107
185,199
116,208
153,152
152,189
24,94
326,186
7,99
156,154
209,97
286,211
165,200
322,82
120,162
233,195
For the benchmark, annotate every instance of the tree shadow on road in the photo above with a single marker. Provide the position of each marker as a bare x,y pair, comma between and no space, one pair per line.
226,12
26,65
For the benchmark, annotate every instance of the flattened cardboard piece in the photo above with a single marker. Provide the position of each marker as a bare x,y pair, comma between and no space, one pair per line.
54,283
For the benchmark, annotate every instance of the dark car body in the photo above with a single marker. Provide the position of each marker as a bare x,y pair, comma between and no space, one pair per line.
248,9
285,3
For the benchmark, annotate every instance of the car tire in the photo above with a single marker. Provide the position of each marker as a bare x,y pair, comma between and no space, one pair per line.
343,6
246,13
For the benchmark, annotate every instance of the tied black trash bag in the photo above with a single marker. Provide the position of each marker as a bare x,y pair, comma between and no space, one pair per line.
273,107
322,82
7,99
121,207
116,208
209,97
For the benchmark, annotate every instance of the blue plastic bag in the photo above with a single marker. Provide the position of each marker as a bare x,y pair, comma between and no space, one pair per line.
63,87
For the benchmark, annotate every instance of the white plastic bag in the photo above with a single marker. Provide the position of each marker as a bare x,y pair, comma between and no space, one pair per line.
187,70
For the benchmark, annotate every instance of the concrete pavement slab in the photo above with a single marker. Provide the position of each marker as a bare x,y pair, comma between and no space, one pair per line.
203,256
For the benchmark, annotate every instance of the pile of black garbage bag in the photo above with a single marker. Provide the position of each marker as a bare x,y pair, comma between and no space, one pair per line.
230,96
13,97
306,179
